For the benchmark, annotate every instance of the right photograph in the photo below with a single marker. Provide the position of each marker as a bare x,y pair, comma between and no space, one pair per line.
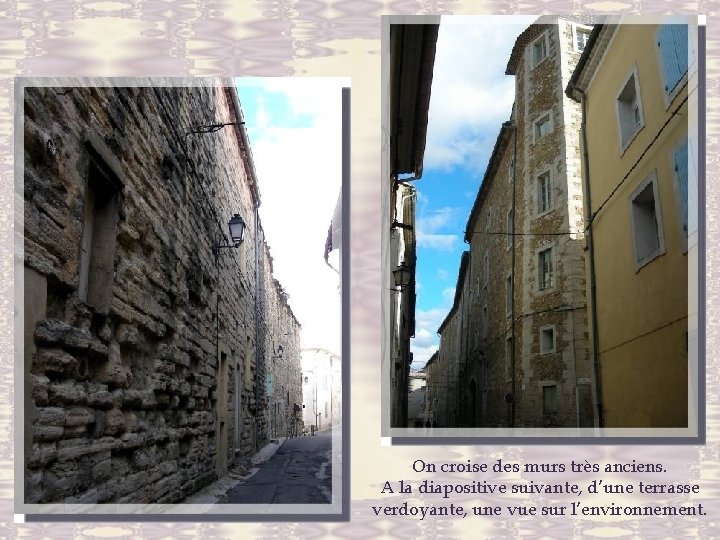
541,228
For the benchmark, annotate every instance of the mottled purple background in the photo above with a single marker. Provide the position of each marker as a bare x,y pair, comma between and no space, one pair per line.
130,38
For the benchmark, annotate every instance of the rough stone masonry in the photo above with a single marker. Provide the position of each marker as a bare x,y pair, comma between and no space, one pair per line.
148,359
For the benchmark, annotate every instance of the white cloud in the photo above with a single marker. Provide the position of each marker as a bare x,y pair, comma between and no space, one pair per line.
428,226
426,340
471,95
443,242
436,220
423,338
449,294
443,274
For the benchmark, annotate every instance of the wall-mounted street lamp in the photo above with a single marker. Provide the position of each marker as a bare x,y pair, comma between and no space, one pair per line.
236,226
402,275
279,352
399,225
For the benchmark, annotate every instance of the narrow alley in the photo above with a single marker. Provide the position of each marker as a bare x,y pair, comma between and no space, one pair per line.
300,472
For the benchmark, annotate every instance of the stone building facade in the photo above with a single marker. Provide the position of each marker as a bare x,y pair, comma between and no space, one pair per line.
146,351
522,339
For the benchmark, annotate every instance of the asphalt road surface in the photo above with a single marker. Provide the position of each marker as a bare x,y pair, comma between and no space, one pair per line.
299,472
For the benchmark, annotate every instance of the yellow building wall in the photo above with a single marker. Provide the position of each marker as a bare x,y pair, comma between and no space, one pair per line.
641,313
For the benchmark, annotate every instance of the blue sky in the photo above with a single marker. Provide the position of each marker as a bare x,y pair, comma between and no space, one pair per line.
295,125
471,96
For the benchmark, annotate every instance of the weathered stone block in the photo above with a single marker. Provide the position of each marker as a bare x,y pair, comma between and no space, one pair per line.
101,471
87,497
131,421
76,416
47,433
101,399
140,459
42,454
114,422
104,444
66,393
33,487
112,372
127,334
132,440
72,449
40,385
56,362
98,351
51,332
132,399
50,416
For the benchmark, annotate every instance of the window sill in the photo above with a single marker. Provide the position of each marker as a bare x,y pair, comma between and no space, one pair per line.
632,137
545,213
639,265
532,68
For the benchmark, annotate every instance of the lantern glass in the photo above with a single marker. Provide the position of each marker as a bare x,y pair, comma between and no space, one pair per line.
237,229
402,276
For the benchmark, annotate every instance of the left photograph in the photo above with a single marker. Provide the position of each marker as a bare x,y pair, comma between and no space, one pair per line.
178,295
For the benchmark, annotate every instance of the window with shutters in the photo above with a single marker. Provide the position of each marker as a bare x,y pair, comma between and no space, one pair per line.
686,188
681,181
646,222
675,56
545,269
629,110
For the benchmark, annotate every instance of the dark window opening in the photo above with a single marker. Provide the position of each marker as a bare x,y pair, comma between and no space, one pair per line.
97,260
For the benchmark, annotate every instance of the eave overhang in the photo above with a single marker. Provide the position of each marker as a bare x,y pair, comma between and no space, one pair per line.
412,57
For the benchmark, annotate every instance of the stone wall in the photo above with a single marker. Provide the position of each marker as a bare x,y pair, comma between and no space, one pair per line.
141,369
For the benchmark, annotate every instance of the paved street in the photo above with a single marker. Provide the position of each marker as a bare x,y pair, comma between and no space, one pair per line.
300,472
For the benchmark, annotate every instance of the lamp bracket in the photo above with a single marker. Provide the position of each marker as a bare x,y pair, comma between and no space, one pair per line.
396,223
221,242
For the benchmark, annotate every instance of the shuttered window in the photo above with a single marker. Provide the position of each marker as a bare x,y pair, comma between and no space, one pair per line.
681,176
673,48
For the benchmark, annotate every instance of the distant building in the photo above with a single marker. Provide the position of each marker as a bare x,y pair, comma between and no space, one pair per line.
322,389
408,76
416,399
633,82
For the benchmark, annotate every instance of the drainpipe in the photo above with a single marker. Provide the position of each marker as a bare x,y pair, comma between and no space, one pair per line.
591,258
512,279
